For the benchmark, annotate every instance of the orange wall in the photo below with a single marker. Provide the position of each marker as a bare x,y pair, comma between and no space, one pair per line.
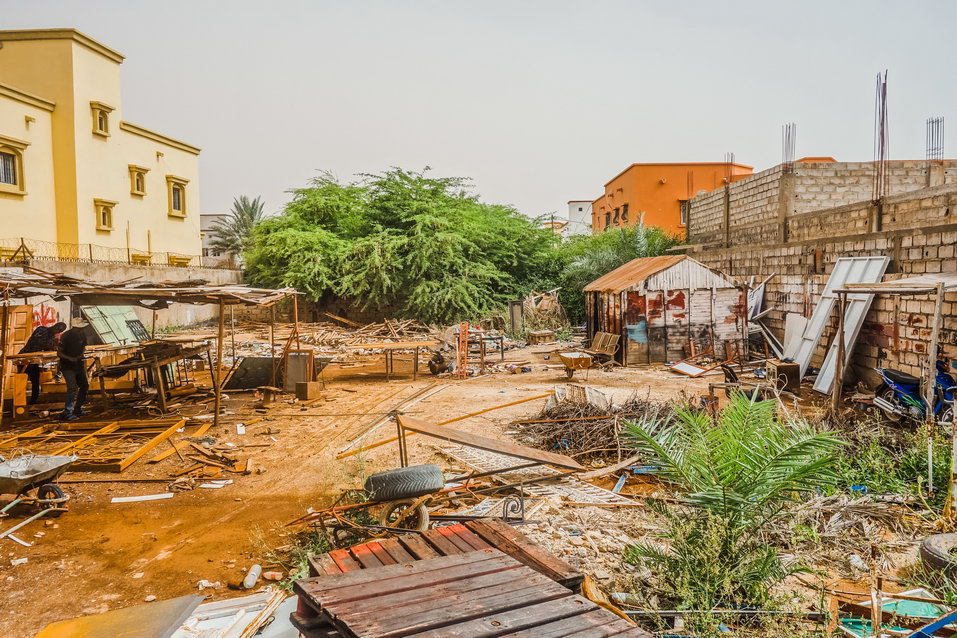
654,191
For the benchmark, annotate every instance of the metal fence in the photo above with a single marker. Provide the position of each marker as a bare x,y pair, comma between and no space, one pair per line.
20,249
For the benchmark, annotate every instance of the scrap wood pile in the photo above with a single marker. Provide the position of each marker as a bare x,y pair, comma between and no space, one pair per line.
542,311
580,420
328,334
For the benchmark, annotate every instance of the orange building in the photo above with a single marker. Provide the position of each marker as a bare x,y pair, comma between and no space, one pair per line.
656,193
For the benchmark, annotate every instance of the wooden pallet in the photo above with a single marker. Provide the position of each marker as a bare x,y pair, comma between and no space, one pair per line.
478,593
447,541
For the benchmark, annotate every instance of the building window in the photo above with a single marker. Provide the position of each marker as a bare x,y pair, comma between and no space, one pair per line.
624,213
101,118
138,180
11,165
104,214
685,209
616,217
580,209
176,187
607,220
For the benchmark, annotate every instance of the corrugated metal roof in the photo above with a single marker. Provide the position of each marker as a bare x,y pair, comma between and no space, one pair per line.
636,272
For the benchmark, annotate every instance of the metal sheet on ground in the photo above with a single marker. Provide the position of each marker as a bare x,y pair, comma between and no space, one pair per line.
155,620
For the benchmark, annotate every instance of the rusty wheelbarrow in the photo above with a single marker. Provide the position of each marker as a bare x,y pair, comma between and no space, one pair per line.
575,361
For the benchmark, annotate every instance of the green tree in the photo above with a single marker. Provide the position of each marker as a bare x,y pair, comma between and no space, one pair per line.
401,238
585,258
234,233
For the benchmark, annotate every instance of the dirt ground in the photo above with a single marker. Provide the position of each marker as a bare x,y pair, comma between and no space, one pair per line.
101,556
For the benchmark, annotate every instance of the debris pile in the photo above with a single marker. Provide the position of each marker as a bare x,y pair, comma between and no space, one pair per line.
583,421
542,311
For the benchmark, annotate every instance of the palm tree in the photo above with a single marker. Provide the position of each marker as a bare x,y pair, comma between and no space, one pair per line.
233,234
743,466
738,471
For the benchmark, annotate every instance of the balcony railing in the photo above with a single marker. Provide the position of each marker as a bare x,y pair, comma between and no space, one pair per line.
20,249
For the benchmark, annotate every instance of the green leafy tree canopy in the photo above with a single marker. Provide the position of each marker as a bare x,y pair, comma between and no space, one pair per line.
401,239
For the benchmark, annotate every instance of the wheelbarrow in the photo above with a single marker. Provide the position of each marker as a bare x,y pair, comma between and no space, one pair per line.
21,474
575,361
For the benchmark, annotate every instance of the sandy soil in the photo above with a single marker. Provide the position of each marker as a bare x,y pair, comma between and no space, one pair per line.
102,556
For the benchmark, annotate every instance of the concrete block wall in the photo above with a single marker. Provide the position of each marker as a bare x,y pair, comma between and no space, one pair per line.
896,331
757,203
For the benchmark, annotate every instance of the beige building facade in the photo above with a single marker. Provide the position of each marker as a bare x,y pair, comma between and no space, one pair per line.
77,180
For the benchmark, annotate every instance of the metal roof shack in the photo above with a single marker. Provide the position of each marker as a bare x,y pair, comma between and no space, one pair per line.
667,272
660,306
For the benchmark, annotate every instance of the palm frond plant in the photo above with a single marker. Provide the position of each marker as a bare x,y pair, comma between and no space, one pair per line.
233,234
738,472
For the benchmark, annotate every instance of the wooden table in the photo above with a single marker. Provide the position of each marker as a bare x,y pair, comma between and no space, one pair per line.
389,348
475,594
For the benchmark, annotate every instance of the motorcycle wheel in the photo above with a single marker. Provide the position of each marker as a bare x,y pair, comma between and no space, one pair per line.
887,393
946,415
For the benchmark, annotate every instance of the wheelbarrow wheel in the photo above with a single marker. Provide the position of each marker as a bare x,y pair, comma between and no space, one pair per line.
53,495
569,373
390,513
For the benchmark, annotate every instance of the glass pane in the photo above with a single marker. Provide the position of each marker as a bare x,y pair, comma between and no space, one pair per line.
8,168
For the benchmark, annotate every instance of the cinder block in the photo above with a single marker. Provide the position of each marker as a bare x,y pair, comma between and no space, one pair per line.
307,390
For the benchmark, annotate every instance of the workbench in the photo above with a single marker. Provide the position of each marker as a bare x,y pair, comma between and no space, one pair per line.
389,348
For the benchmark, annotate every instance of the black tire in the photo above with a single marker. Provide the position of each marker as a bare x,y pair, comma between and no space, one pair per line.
935,553
418,520
405,482
52,492
569,373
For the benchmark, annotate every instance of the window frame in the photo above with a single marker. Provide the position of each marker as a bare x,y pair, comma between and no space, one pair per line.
97,109
107,204
137,171
13,146
684,212
173,182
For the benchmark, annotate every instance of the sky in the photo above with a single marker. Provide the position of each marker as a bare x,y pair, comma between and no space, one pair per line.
538,101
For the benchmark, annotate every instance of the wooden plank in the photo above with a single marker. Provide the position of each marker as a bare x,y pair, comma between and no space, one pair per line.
442,544
384,557
380,576
506,539
355,602
452,537
485,443
513,620
469,536
179,445
416,546
396,551
344,560
322,565
483,617
455,608
149,445
364,555
595,623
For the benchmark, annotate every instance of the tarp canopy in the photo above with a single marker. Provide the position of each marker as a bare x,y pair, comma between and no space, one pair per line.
30,282
916,285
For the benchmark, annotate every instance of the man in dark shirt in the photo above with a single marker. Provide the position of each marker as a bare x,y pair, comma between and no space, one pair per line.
43,339
71,349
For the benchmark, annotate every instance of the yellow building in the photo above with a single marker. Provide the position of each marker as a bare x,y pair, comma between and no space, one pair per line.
76,179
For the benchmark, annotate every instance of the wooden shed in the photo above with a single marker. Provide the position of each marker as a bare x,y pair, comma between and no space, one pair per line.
660,305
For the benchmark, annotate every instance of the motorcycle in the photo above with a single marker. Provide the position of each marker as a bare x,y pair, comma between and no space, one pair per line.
900,396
